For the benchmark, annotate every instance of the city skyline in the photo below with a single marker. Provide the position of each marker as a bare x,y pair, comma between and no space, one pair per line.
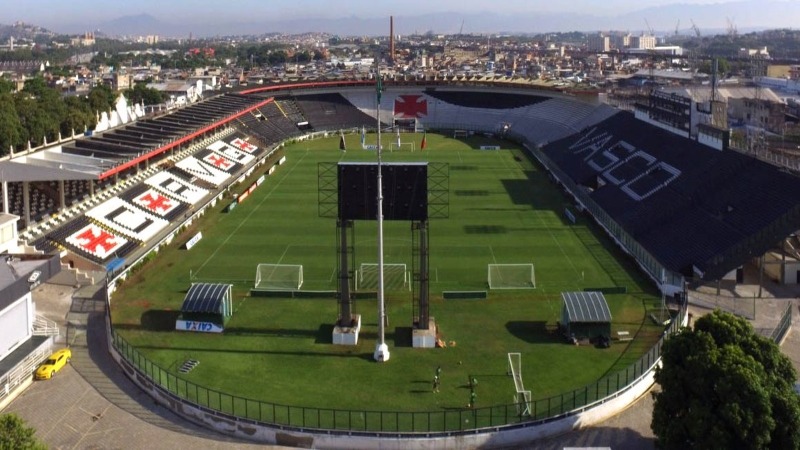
363,17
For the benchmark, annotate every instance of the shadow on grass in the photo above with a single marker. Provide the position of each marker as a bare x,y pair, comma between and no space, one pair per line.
324,334
532,331
159,320
403,336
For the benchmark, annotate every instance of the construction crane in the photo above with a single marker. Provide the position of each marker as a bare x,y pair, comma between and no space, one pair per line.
652,63
694,27
732,31
677,27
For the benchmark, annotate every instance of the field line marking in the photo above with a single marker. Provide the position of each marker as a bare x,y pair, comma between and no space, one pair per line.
284,253
242,222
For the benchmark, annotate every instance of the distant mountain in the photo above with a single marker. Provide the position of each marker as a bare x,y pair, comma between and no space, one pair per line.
710,18
747,14
140,24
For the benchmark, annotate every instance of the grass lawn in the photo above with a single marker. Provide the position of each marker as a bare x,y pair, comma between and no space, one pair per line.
503,209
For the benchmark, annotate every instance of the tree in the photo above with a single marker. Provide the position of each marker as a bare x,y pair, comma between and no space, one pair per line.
723,386
79,116
15,434
11,131
141,93
101,98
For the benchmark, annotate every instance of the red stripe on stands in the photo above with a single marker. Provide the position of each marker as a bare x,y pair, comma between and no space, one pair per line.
317,84
180,141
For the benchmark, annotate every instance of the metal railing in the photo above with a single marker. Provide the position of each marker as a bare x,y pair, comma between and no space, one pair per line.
783,326
43,326
23,371
446,421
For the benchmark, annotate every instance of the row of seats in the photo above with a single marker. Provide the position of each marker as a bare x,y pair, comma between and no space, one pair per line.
332,112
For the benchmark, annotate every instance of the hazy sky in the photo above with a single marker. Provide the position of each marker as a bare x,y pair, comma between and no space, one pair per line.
50,12
230,16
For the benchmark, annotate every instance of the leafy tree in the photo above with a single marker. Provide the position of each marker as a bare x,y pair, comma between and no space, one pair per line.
11,131
34,121
101,98
141,93
35,86
15,434
79,116
6,86
723,386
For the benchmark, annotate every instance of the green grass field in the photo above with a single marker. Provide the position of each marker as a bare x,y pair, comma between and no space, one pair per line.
503,209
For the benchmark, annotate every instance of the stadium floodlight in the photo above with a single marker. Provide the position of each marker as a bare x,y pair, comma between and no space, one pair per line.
511,276
278,277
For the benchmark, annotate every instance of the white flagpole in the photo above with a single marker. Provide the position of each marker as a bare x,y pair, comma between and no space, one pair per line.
381,349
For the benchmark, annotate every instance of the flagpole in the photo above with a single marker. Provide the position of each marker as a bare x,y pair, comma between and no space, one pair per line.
381,349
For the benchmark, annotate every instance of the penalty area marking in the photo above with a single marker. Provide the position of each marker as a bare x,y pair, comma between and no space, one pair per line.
247,218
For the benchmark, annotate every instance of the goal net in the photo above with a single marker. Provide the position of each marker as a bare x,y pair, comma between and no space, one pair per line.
460,133
511,276
279,277
395,277
402,147
522,398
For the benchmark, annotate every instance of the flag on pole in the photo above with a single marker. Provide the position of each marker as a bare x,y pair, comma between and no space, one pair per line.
424,142
379,86
342,144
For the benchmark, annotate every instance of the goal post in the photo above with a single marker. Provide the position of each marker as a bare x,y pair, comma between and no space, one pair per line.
403,147
511,276
279,277
523,401
515,370
395,276
522,397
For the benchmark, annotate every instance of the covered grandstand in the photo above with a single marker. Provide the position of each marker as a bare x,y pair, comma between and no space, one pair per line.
681,209
696,211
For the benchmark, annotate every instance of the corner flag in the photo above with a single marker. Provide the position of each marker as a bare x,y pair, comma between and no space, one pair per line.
424,142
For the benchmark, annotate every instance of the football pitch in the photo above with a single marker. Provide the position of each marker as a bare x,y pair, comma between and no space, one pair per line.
503,209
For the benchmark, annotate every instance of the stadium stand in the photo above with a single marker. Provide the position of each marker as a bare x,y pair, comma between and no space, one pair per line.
693,208
486,100
288,106
332,112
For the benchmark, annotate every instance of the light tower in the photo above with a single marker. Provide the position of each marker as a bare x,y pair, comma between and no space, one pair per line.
381,349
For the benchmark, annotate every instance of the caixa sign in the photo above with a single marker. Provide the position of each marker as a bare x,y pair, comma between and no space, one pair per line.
194,240
193,325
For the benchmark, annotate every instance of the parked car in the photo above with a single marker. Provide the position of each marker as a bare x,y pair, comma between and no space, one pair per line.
54,363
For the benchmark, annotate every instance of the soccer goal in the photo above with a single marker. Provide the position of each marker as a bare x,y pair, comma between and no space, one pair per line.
395,277
460,134
522,398
403,147
276,277
511,276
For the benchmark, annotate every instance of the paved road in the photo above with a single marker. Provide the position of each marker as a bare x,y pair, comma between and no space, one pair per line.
92,405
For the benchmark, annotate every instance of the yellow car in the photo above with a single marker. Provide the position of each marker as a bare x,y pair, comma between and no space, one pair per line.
54,363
